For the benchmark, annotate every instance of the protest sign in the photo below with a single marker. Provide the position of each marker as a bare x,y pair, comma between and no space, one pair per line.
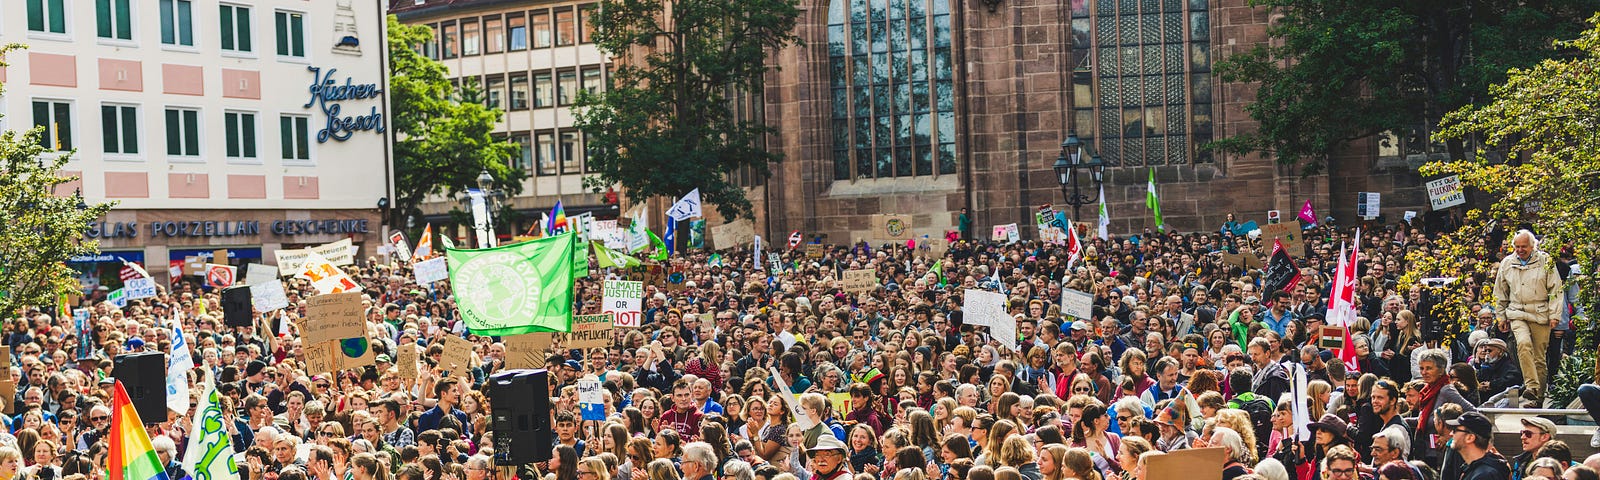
1241,260
890,227
1289,233
337,355
985,308
588,331
118,297
815,251
1008,233
1188,464
402,248
260,273
528,350
140,288
220,256
1446,192
405,359
590,401
291,262
1076,304
430,270
457,356
195,265
335,316
1367,204
733,234
220,276
623,300
319,357
326,277
857,281
1331,338
268,296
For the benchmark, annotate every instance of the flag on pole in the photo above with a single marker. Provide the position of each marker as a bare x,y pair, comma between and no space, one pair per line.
1074,246
1151,201
1308,215
672,235
131,457
179,363
938,269
1281,274
686,208
1341,302
519,288
558,220
424,244
609,258
209,455
1103,226
661,252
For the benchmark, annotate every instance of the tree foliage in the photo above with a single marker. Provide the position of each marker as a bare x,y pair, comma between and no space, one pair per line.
665,126
1547,116
442,137
40,230
1340,70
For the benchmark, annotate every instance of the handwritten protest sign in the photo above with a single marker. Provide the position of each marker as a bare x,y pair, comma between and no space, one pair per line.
734,234
1446,192
334,316
1076,304
858,281
457,356
260,273
268,296
140,288
985,308
1289,232
431,270
590,401
406,360
529,350
623,300
588,331
815,251
1241,260
890,227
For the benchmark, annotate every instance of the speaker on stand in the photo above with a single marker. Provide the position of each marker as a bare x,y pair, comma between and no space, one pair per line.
522,430
144,376
237,311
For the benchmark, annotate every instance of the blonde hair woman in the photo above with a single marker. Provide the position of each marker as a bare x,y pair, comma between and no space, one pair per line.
594,465
10,463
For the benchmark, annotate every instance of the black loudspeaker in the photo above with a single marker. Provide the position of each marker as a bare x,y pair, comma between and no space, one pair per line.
236,308
522,432
144,376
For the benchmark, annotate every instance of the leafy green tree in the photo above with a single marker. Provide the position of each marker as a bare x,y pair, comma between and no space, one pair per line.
1341,70
442,134
1546,115
40,230
664,127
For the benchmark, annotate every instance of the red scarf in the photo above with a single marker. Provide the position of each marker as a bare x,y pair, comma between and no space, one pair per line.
1430,395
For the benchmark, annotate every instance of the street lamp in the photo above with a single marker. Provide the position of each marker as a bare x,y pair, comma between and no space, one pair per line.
492,199
1066,170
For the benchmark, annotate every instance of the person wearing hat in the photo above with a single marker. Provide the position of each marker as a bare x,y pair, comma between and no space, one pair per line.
828,459
1470,435
1535,433
1327,432
1496,370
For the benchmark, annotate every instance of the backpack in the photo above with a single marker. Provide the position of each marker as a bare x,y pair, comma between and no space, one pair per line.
1260,411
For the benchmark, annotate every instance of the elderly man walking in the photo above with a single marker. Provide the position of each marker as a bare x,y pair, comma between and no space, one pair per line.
1528,291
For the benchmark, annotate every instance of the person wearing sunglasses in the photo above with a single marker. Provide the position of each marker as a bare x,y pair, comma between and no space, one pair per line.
1470,435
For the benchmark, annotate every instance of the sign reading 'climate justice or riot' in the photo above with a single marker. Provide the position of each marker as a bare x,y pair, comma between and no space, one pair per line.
326,93
227,228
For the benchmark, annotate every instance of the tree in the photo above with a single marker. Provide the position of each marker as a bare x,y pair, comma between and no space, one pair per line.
1341,70
41,230
1547,116
443,136
664,127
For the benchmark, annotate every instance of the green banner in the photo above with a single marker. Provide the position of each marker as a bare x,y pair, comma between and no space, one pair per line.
514,289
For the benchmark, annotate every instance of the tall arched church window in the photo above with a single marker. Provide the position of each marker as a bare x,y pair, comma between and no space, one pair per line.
891,82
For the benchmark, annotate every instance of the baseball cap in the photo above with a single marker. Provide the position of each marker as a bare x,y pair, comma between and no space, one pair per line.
573,364
1476,423
135,343
384,357
1540,423
1080,325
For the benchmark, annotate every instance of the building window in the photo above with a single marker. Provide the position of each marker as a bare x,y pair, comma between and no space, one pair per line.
450,40
566,87
571,152
119,129
566,33
177,23
113,19
241,133
1150,61
291,34
235,27
544,90
524,159
592,82
55,116
541,28
494,89
294,137
430,47
47,16
519,91
494,35
892,84
183,132
546,151
470,42
586,23
516,32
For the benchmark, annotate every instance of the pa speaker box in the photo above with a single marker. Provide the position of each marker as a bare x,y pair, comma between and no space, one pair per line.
237,310
521,417
144,376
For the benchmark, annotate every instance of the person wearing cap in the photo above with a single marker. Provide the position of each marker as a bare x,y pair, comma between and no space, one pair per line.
1470,435
828,459
1535,433
1496,370
1528,290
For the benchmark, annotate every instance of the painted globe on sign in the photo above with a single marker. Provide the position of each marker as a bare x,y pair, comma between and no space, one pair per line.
353,347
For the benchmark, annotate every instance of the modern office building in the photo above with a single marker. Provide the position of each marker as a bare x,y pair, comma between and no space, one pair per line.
248,126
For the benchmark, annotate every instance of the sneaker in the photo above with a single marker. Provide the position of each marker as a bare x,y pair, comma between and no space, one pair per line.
1594,441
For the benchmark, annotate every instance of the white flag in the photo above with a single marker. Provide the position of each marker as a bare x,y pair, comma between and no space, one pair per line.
179,363
210,452
1103,226
687,207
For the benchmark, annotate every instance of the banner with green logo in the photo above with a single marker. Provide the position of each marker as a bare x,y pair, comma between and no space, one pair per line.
520,288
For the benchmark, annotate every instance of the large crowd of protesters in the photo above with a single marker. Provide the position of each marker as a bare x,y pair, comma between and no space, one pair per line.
1183,351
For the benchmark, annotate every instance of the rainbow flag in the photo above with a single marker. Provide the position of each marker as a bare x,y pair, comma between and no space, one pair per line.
132,457
558,219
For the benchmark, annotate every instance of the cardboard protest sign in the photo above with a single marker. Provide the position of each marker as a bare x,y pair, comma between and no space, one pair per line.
858,281
325,277
988,309
1289,232
1241,260
890,227
1446,192
337,355
624,301
405,359
815,251
220,256
430,270
734,234
335,316
590,402
588,331
195,265
319,357
457,354
140,288
268,296
528,350
1188,464
1076,304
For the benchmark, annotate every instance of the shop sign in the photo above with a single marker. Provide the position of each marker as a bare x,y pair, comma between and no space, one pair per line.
327,95
229,228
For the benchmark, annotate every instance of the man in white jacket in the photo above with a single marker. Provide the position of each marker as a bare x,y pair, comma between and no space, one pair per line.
1528,292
